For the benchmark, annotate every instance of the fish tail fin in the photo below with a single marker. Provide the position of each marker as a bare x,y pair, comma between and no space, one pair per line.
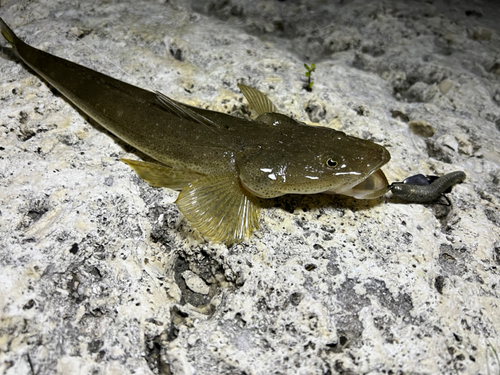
9,34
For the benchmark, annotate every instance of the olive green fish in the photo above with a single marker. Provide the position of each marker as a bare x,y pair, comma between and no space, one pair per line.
220,163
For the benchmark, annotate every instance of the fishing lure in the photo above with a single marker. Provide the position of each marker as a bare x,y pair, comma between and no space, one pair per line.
426,189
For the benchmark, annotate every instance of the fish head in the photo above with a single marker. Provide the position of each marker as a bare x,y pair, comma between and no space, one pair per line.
319,160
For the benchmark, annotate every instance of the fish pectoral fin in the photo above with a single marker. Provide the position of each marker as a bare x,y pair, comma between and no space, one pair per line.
158,175
184,112
258,100
219,208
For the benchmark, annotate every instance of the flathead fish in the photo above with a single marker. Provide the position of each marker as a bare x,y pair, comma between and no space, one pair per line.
220,163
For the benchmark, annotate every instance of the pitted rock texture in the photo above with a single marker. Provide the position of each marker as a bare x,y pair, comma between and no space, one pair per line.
100,273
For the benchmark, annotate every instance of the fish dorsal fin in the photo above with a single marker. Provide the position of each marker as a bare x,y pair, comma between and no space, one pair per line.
184,112
219,208
158,175
258,100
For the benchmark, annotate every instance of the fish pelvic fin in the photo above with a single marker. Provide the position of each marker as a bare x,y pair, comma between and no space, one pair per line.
219,208
184,112
258,100
158,175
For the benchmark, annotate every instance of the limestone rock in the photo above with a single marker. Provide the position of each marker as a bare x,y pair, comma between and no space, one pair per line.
93,261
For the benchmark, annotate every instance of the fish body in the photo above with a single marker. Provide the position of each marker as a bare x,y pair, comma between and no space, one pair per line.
221,163
421,189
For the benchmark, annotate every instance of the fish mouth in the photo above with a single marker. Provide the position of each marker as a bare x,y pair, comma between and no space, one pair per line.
373,186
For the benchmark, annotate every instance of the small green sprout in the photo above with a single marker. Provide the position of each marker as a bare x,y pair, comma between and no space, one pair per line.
309,69
495,354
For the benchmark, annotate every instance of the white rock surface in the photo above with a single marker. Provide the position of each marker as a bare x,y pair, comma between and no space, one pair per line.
195,283
92,259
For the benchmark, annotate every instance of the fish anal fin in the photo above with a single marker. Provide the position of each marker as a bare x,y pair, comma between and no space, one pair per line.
219,208
183,111
158,175
258,100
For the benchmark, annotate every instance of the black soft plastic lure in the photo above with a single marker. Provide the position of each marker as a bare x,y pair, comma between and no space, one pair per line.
426,189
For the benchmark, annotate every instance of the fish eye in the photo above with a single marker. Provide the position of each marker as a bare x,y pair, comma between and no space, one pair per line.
331,163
